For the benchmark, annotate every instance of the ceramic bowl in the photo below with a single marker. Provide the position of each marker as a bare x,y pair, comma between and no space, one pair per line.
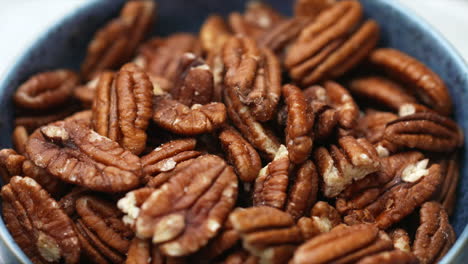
64,46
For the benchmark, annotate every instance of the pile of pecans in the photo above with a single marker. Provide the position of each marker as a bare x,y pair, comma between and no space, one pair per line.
264,139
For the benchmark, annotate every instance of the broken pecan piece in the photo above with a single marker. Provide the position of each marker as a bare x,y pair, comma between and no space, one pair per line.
12,164
240,154
323,218
122,107
338,167
46,90
142,252
347,111
426,84
272,181
181,119
298,125
401,239
78,155
38,225
425,131
172,215
435,235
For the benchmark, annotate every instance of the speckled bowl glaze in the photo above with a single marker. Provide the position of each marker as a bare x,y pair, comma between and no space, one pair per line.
64,46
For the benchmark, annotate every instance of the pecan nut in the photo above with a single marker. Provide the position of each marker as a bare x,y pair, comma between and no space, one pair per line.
435,235
354,160
85,93
311,8
142,252
78,155
34,121
401,239
426,84
390,257
116,42
450,171
181,119
46,90
347,111
372,125
225,240
123,106
20,138
272,181
298,125
172,215
213,33
11,164
281,35
425,131
243,157
103,235
38,225
323,218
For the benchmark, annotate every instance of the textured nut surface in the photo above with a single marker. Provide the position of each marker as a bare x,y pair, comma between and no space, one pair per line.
390,257
311,8
240,154
116,42
298,125
85,93
425,131
46,90
20,138
450,171
401,239
220,244
12,164
181,119
213,33
272,181
38,225
435,235
142,252
123,106
303,192
426,84
372,125
78,155
188,206
347,111
282,34
323,218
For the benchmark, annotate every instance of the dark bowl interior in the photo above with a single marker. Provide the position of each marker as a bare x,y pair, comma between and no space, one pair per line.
64,46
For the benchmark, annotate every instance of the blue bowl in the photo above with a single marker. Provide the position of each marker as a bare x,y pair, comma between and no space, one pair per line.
64,46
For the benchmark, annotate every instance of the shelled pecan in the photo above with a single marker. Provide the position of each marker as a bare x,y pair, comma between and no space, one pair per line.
86,93
20,138
35,120
311,8
142,252
450,171
323,217
390,257
372,125
226,239
401,239
213,33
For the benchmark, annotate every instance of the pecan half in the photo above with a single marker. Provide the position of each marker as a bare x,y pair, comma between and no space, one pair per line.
213,33
46,90
425,131
347,111
167,156
262,139
425,83
78,155
338,167
267,232
328,47
20,138
343,244
323,218
38,225
243,157
435,235
123,106
84,118
381,91
181,119
142,252
282,34
303,192
390,257
272,181
194,84
254,75
102,234
372,125
298,125
225,240
311,8
172,215
116,42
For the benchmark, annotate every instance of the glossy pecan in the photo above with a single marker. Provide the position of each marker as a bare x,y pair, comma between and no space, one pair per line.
390,257
347,111
372,125
298,125
280,36
425,83
84,118
78,155
425,131
435,235
243,157
338,167
254,74
160,57
167,156
303,192
311,8
213,33
343,244
272,181
402,195
194,83
181,119
323,218
267,232
142,252
450,171
401,239
221,243
116,42
20,138
103,235
11,164
331,45
68,202
381,91
261,138
172,215
258,18
46,90
122,107
36,222
412,108
240,257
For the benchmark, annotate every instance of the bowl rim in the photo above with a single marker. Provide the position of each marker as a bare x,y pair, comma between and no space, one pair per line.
411,17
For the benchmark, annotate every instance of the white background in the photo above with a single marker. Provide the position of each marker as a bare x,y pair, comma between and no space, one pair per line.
22,21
